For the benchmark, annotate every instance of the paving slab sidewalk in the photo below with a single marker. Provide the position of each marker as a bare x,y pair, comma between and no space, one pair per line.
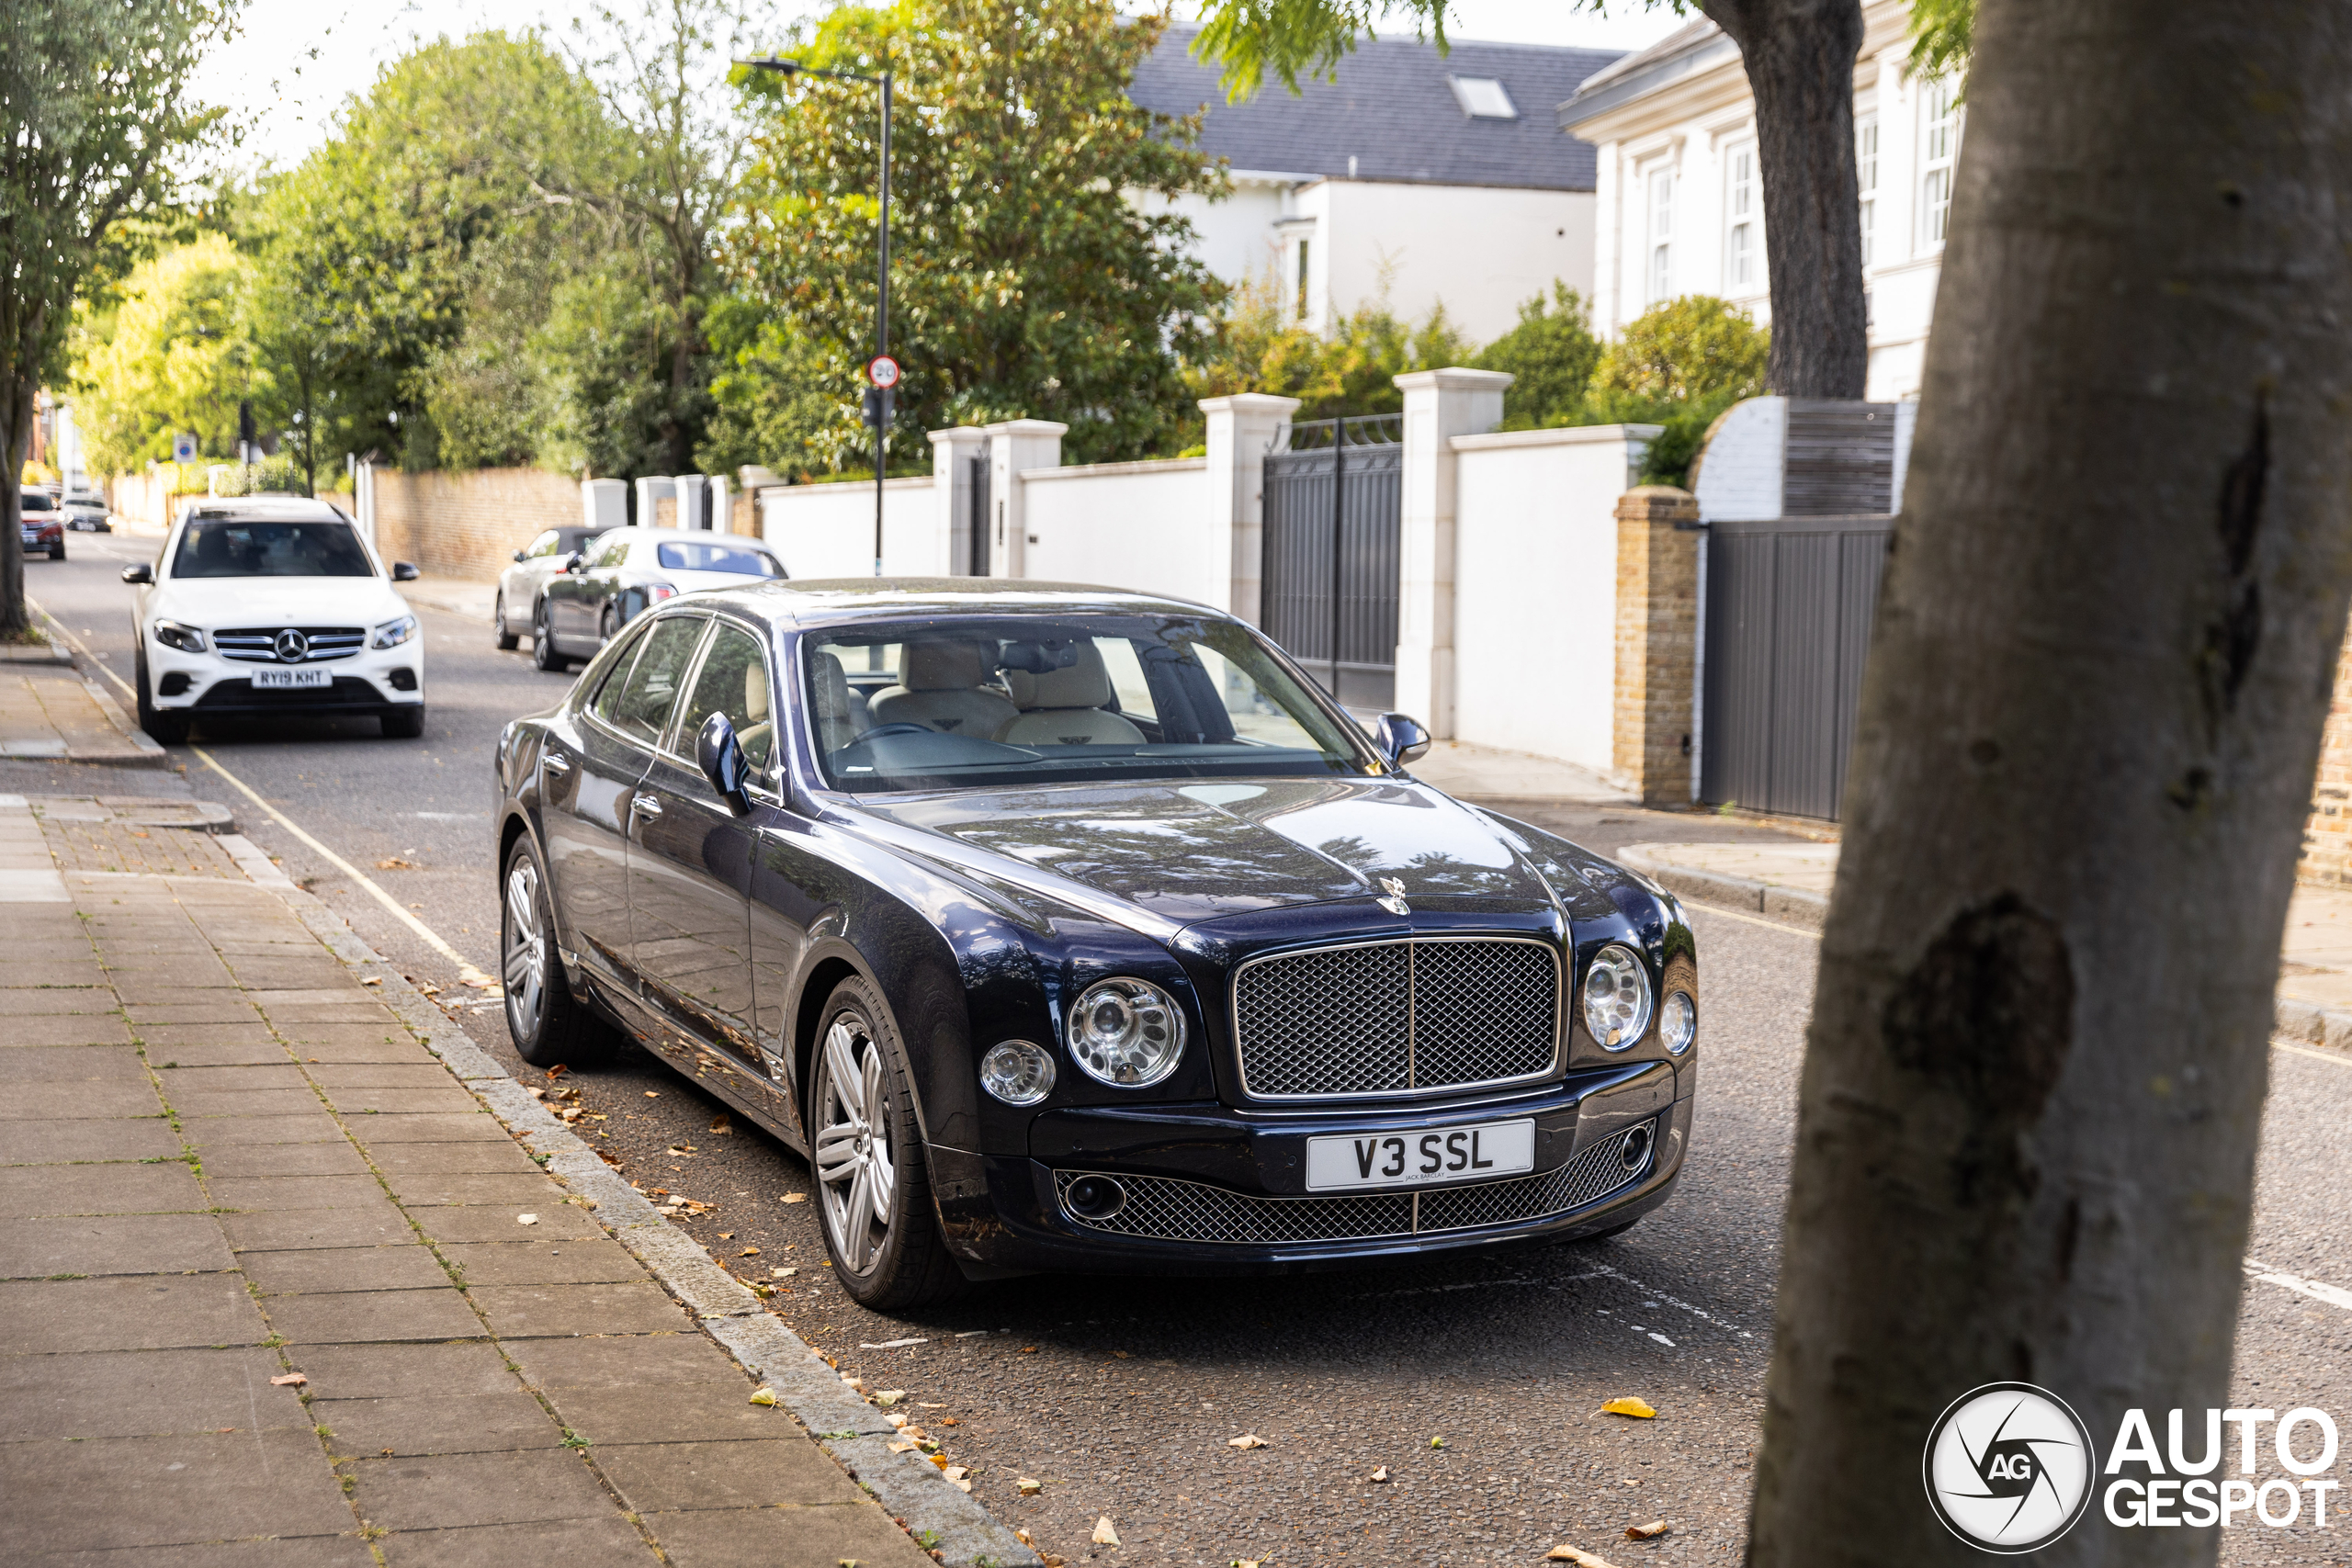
48,709
1792,882
275,1285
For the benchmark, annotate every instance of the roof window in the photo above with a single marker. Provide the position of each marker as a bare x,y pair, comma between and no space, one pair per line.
1483,97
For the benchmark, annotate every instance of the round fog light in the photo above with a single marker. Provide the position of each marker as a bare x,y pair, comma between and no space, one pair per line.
1677,1023
1096,1198
1017,1072
1637,1152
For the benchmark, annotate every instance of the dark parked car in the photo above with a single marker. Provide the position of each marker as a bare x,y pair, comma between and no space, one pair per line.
600,590
1067,928
43,523
516,608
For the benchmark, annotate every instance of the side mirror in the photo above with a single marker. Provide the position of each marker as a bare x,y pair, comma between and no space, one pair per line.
574,561
405,572
518,554
720,756
142,572
1401,739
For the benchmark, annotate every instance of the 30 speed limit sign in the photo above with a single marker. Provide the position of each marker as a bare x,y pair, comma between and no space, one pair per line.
883,372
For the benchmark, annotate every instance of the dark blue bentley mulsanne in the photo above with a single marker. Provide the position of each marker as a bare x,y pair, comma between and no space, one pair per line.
1069,929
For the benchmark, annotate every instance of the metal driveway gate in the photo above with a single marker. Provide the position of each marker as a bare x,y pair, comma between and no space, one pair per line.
1790,605
1335,497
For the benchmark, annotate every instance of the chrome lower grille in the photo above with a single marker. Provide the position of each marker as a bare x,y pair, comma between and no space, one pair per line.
258,645
1167,1209
1420,1014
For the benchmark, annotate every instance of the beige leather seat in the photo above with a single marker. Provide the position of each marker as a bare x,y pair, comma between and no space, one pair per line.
942,686
837,724
1066,707
758,735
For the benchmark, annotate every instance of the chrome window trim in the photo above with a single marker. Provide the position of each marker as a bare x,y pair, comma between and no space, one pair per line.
1559,1019
702,652
588,713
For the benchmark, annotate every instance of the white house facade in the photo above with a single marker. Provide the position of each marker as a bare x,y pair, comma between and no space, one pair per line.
1679,196
1431,178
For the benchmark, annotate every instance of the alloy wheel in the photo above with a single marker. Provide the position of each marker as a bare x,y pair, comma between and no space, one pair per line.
525,951
855,1174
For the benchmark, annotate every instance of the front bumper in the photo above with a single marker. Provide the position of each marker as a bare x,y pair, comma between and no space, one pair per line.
1216,1191
366,681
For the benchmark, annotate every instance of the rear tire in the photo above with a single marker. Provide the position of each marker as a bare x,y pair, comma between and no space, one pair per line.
57,550
608,626
507,640
163,728
403,722
543,653
867,1137
549,1026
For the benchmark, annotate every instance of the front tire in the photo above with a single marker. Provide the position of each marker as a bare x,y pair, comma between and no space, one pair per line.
549,1026
873,1185
163,728
508,639
57,550
543,653
403,722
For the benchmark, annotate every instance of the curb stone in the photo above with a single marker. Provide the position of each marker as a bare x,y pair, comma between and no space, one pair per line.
1790,904
922,1500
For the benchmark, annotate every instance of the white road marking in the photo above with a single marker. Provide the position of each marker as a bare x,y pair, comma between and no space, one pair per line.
1809,934
894,1344
2333,1295
2336,1057
466,971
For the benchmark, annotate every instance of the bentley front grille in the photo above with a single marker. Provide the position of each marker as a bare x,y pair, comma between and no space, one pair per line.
1161,1208
1384,1017
260,645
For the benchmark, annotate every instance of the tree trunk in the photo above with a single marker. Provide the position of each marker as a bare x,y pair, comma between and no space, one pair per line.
2088,731
1800,60
16,438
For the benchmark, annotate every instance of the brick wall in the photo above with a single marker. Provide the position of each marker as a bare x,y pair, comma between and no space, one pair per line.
469,524
1657,624
2327,835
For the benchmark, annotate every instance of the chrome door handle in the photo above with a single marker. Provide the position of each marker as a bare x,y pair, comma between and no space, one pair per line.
645,805
556,763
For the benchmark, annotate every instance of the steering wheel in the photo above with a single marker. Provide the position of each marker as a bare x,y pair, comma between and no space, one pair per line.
902,728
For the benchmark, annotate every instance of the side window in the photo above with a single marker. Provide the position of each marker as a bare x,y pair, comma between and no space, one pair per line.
606,700
544,545
733,681
652,684
1133,692
612,554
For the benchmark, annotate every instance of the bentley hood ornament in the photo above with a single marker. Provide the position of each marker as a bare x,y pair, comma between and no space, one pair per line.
1395,903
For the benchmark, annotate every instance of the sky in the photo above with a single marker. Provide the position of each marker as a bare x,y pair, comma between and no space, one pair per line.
297,60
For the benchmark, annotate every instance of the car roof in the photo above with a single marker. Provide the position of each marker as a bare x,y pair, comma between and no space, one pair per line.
848,600
266,508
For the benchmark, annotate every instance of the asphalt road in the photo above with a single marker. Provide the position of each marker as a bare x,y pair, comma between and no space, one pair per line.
1475,1381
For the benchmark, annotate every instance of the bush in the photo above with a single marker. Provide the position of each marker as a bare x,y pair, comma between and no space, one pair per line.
1261,347
1693,347
1553,352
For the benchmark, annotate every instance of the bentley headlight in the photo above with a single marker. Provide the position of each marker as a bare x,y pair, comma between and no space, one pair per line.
1677,1022
1617,997
1017,1072
188,640
1128,1034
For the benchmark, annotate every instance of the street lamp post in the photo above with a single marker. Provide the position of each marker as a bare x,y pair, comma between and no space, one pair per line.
882,391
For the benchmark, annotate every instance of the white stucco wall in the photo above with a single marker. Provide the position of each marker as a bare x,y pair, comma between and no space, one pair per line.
1234,238
1144,526
1535,586
1483,251
1741,467
828,530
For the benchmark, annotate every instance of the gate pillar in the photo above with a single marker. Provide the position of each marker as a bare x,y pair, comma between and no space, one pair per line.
1439,406
952,490
1241,428
1657,643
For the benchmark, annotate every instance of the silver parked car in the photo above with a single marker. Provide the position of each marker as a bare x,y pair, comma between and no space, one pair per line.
520,585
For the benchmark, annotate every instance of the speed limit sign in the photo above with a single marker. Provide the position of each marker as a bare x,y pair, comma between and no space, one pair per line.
883,372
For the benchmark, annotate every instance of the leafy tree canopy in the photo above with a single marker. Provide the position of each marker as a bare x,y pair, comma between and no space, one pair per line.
1261,347
177,357
1552,353
1691,347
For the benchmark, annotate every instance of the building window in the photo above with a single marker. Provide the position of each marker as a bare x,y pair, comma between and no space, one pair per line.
1866,179
1483,97
1303,245
1739,218
1661,233
1938,153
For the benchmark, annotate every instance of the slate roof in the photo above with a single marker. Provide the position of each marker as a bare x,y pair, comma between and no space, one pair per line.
1393,111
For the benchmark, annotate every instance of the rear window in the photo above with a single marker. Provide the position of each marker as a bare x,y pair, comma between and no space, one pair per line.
249,548
696,556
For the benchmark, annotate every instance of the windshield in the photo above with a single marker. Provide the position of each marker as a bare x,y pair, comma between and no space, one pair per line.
738,559
967,701
252,548
35,500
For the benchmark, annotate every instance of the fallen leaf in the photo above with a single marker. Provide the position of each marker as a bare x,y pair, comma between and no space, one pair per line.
727,1236
1437,1442
1122,1355
394,862
796,1198
1104,1534
1629,1405
1564,1554
955,1472
652,1094
1380,1474
890,1396
719,1123
961,1485
784,1273
939,1459
951,1421
899,1421
291,1379
558,1071
763,1396
1028,1349
537,1092
749,1252
1246,1440
903,1448
1024,1538
373,980
1649,1531
1247,1562
527,1219
1028,1487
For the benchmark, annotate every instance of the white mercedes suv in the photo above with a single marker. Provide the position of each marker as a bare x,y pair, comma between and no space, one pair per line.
274,607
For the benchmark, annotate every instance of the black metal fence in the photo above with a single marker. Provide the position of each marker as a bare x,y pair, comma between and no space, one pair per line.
1334,499
1790,605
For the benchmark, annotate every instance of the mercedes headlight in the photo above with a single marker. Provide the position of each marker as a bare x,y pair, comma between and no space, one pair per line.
1017,1072
1617,997
1128,1033
1677,1023
172,634
391,634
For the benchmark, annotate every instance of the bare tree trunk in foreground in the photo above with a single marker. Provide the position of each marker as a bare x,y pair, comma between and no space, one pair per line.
2088,732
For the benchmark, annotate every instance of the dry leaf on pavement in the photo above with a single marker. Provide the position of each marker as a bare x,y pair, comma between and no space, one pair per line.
890,1396
1104,1534
749,1252
373,980
1649,1531
291,1379
719,1123
1028,1487
1629,1405
1564,1554
763,1396
527,1219
1380,1474
796,1198
784,1273
955,1472
1246,1440
903,1448
394,862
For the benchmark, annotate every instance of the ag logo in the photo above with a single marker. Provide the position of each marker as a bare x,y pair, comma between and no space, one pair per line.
2008,1468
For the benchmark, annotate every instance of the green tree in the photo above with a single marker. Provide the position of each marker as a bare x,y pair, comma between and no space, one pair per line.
1552,353
175,356
1262,347
1024,282
95,93
1678,364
